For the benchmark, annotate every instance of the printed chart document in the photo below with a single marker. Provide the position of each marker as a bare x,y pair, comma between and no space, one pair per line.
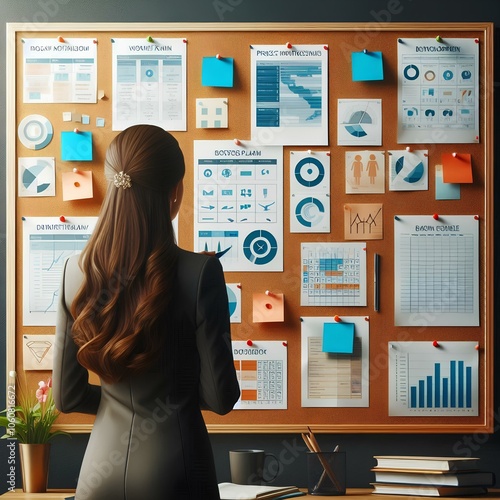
238,204
436,270
330,379
149,82
438,90
333,274
47,243
262,374
427,381
59,70
289,94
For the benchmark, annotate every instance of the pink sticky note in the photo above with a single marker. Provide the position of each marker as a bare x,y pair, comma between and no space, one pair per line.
268,307
77,185
457,169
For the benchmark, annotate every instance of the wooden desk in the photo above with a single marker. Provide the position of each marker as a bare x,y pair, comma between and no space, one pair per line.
352,493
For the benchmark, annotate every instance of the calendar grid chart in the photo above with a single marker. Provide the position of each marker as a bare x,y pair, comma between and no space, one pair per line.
333,274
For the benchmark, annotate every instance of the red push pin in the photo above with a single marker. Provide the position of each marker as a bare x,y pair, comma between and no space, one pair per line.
285,344
249,343
75,130
60,39
454,155
367,318
476,40
476,347
328,153
435,216
217,56
237,142
289,45
325,47
238,286
269,294
62,218
75,170
337,318
185,40
435,343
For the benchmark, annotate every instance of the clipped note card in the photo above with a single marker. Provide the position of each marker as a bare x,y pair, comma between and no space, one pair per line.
268,307
77,185
217,72
37,351
76,146
367,66
338,338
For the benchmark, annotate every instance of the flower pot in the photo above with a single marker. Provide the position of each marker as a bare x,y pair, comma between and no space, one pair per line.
34,466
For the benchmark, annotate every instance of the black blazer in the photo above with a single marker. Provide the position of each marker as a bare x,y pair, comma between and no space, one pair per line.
149,439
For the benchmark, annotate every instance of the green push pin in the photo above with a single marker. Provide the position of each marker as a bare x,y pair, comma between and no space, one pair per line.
150,39
439,39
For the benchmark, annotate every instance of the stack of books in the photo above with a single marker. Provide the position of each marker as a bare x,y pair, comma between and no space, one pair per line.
430,476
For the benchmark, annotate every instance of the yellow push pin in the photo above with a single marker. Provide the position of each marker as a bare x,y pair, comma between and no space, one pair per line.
439,39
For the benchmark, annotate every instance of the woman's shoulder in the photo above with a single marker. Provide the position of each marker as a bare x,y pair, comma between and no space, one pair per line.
193,264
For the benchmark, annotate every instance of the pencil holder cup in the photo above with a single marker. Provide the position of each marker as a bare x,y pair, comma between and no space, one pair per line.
326,473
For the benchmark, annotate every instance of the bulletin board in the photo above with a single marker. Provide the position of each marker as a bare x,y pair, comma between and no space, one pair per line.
235,41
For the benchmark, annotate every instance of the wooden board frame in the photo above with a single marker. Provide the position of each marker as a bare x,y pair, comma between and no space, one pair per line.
279,421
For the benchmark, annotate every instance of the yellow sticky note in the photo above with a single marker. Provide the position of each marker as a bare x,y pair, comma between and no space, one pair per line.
268,307
77,185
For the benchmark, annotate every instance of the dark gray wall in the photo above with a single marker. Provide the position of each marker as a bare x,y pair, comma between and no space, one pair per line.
67,453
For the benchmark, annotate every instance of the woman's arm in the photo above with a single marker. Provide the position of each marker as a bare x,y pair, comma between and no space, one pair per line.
219,388
72,391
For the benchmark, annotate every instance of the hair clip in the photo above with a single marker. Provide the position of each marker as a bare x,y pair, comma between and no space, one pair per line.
122,180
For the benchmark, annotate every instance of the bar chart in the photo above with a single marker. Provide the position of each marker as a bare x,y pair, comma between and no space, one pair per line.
429,378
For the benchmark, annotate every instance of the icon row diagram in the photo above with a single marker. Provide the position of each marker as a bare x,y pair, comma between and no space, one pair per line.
239,204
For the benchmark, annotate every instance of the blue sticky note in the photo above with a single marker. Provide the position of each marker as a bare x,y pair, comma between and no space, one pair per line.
444,190
217,72
338,338
76,146
367,66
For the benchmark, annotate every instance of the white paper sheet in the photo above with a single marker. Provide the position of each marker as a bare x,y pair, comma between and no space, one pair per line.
309,192
436,270
238,204
149,82
289,94
333,274
47,243
334,380
438,90
60,71
428,380
359,122
262,374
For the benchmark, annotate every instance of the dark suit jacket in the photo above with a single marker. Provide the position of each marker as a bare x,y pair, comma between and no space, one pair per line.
149,439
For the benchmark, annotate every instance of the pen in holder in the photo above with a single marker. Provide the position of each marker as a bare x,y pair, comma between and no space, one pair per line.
326,473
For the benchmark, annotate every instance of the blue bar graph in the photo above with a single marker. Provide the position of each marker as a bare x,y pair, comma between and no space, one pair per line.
436,391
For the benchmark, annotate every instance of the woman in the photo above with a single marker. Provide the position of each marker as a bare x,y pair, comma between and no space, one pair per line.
152,321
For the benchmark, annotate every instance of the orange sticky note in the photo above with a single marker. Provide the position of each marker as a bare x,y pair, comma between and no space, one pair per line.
268,308
77,185
457,169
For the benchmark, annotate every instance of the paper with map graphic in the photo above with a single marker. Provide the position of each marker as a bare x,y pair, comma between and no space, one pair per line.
289,94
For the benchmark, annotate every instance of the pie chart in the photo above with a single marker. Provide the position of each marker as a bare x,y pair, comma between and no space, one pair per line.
416,173
354,123
38,177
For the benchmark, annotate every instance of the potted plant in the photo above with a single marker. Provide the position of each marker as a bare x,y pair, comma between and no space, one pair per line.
30,422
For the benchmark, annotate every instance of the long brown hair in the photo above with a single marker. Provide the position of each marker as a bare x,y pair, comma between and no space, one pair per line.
129,262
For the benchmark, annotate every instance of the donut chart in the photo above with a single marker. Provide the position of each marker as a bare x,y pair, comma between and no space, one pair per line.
260,247
309,172
35,131
411,72
309,211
